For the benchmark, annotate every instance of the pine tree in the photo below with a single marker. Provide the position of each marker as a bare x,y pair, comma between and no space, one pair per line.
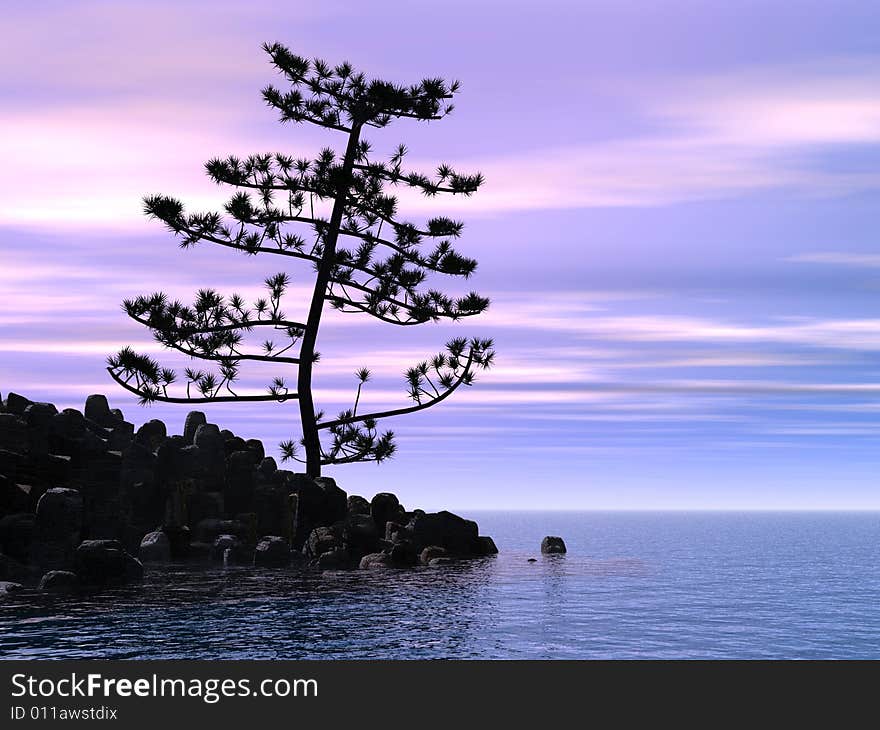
365,260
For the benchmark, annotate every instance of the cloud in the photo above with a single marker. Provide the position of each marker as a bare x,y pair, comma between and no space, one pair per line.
838,258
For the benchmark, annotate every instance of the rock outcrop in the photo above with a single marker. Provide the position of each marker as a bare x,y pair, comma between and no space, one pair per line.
86,498
552,545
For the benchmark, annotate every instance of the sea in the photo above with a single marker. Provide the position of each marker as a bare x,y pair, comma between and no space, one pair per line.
633,585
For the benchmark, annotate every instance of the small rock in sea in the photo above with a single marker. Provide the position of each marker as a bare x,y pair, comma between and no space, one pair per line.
155,548
272,552
59,581
431,552
375,560
7,587
532,560
105,562
552,544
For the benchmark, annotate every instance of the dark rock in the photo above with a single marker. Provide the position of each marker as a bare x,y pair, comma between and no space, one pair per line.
105,562
59,581
210,529
236,443
208,437
375,560
39,413
382,508
431,552
532,560
267,466
437,562
8,587
336,559
117,414
194,419
552,544
322,540
230,550
335,500
13,432
238,491
98,409
58,527
152,434
155,548
10,568
310,508
16,404
16,535
403,554
255,446
180,540
360,535
357,505
14,497
485,546
272,552
444,529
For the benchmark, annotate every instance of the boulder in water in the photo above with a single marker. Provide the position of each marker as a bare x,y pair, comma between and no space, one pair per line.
551,545
59,581
155,548
272,552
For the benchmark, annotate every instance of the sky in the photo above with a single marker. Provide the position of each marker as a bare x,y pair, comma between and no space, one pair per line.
678,233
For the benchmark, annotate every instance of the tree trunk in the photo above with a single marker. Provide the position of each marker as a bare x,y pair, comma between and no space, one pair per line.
311,440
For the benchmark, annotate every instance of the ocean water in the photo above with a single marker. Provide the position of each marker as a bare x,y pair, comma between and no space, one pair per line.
633,585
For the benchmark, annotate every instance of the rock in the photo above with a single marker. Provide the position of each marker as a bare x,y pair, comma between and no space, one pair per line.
485,546
552,544
208,437
236,443
238,491
360,535
16,404
117,414
357,505
105,562
255,446
155,548
10,568
152,434
272,552
375,560
57,528
13,432
194,419
436,562
211,528
431,552
403,554
16,535
322,540
336,559
335,500
267,466
59,581
532,560
444,529
228,549
98,409
310,508
8,587
382,508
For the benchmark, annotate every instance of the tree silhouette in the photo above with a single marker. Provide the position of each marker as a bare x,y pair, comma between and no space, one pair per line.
277,210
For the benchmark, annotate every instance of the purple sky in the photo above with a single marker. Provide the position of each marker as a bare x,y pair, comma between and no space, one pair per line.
677,230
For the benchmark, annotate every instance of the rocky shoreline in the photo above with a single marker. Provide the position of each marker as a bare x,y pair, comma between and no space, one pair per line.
86,500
